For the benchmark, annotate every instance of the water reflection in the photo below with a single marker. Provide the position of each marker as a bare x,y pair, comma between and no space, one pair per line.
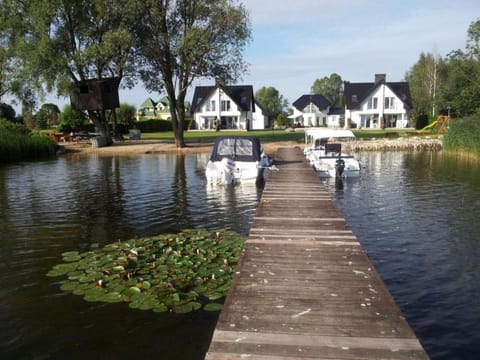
415,214
54,206
417,217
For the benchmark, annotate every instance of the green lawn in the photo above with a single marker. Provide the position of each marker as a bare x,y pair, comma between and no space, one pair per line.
209,136
264,135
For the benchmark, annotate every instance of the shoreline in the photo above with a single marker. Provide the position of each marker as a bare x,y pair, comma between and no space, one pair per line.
141,147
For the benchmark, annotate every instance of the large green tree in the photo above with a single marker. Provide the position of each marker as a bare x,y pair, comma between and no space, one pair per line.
331,87
184,40
270,100
461,92
60,43
425,79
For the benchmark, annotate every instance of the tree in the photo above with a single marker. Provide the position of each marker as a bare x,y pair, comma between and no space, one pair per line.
461,92
5,71
425,79
270,100
58,44
51,112
7,112
126,114
330,87
183,40
71,119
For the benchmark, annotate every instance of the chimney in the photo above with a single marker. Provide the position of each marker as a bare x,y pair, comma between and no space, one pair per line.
380,78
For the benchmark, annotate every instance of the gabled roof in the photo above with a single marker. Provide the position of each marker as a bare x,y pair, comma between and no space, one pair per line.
242,95
164,100
356,93
319,100
149,103
336,111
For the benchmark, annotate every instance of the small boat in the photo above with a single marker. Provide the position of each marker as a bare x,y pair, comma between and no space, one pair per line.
324,151
237,159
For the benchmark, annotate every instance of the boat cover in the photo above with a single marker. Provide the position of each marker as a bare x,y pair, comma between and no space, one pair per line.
239,148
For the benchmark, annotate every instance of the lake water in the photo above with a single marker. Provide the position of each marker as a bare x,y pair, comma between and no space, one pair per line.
415,214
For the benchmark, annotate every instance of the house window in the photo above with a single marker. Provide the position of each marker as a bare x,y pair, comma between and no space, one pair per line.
354,98
212,105
225,105
208,106
370,104
389,103
375,103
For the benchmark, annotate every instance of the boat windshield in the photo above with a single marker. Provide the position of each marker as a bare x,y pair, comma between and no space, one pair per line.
235,148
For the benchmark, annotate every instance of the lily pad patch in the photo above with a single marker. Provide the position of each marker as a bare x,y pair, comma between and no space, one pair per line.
181,272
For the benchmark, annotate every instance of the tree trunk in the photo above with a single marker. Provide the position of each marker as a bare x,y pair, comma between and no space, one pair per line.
100,120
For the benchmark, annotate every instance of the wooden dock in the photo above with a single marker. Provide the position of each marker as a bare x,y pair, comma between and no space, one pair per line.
304,287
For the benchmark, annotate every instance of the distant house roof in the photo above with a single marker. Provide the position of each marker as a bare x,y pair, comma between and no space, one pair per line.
336,111
149,103
318,100
356,93
242,95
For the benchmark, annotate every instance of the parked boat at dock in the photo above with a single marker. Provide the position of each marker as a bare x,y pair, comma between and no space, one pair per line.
237,159
324,151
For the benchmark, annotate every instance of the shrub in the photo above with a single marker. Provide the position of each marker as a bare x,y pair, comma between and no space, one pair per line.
18,143
463,135
422,121
146,126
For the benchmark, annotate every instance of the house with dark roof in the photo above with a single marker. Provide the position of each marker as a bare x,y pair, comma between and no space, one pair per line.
315,110
232,107
378,104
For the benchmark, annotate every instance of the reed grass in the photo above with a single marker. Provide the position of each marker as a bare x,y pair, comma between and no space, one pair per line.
463,136
18,143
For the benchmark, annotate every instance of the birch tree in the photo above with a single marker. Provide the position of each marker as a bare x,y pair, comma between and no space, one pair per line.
425,78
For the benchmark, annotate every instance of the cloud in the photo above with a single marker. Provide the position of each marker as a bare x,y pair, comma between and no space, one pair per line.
295,43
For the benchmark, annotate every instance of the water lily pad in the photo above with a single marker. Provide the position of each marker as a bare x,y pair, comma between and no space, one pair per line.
159,308
69,253
213,307
69,286
173,272
186,308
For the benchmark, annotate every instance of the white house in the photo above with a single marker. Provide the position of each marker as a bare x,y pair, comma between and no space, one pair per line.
378,104
233,107
315,110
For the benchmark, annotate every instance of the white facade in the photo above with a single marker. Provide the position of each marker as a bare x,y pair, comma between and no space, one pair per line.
220,107
312,116
259,119
381,102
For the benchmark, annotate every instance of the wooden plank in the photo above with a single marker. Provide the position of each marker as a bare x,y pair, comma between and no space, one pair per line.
304,287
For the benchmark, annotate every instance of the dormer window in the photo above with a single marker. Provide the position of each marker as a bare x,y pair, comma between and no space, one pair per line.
354,98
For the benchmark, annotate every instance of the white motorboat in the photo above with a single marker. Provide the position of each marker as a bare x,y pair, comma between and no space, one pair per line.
324,151
237,159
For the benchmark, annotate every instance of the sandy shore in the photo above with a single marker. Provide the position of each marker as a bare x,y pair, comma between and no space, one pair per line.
138,147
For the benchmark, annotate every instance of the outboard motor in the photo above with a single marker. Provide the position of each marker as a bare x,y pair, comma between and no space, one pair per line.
339,167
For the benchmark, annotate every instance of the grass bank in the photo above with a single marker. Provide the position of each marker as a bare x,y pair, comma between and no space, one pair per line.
463,137
18,143
264,135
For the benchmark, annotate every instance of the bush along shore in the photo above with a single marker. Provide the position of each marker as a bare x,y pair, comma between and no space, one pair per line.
18,143
411,144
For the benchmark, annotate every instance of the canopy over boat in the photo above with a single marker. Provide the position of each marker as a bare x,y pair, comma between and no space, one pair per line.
239,148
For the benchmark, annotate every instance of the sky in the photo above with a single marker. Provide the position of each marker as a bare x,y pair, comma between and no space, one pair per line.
296,42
